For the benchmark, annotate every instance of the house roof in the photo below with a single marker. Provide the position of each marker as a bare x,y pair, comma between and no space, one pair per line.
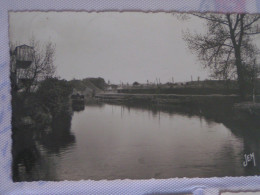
24,46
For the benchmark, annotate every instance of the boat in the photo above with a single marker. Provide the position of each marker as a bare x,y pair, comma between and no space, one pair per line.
78,98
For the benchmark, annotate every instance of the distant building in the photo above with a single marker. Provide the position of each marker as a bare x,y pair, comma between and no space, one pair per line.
21,59
112,87
24,55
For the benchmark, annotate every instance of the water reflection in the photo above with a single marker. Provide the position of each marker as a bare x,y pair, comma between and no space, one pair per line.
138,141
246,128
60,136
78,107
31,148
25,155
151,140
249,132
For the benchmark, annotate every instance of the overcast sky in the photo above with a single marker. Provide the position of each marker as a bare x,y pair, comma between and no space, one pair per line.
126,47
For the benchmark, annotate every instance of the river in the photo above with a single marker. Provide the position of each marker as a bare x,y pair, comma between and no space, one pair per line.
106,141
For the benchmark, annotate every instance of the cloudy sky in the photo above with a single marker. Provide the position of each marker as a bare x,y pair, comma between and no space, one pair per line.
120,47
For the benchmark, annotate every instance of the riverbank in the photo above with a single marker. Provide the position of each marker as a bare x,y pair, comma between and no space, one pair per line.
169,98
242,110
248,108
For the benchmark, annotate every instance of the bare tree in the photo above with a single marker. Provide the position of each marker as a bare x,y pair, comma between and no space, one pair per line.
42,66
228,47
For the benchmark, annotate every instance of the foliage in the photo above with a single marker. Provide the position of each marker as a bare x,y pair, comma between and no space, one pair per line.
92,83
54,95
228,47
77,84
136,83
98,82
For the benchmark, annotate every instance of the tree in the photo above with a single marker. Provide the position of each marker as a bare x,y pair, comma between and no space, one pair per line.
228,47
41,68
53,94
98,82
136,83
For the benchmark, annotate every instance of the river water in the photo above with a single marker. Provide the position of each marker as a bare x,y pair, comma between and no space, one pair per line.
106,141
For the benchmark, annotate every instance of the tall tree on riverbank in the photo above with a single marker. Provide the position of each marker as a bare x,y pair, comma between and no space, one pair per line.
228,46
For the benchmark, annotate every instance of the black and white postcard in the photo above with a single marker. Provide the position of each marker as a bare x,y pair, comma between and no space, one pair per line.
134,95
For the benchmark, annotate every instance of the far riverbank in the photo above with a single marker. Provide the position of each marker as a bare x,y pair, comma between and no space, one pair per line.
170,98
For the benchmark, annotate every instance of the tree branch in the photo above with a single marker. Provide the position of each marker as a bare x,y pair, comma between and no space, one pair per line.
241,29
210,18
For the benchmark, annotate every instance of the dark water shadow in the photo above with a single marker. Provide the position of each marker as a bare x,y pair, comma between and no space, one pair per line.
244,127
30,163
59,137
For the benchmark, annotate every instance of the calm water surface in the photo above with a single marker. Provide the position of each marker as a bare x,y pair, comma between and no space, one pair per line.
141,142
